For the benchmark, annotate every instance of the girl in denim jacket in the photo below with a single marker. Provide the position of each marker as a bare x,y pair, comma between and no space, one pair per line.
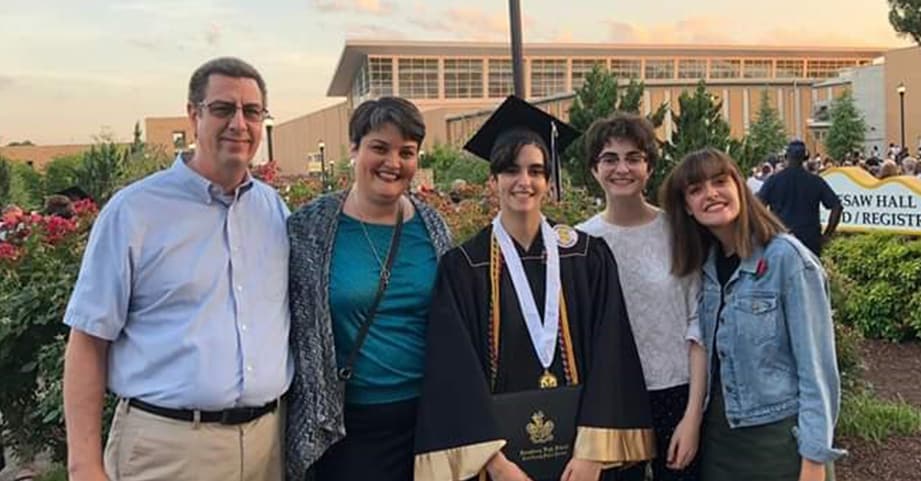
764,317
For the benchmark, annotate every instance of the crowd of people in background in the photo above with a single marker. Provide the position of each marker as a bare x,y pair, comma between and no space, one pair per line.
898,161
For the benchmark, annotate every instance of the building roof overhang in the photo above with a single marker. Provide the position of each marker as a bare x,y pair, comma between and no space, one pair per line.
356,51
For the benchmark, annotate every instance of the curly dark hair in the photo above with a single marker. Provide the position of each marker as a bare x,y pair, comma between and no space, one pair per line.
635,128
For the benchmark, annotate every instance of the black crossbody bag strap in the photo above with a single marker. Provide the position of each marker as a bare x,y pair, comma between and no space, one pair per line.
345,372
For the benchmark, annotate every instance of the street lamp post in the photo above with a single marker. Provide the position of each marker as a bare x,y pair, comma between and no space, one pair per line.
269,124
514,10
321,146
901,90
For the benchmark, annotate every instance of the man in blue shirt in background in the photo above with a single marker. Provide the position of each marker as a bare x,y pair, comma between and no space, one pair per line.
794,194
181,308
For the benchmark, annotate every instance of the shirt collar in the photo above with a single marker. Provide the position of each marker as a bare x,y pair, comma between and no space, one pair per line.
203,188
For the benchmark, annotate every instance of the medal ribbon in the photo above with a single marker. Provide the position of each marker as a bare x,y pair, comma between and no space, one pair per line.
543,335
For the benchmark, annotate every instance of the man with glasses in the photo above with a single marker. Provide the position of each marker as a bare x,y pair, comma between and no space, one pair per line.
181,308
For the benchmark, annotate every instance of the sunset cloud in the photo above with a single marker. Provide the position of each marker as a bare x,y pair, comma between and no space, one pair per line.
473,24
716,30
699,30
376,7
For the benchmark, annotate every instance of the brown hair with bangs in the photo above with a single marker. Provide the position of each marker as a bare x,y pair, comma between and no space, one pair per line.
691,242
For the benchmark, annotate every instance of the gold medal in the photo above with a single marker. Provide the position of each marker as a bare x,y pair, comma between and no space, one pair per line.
548,380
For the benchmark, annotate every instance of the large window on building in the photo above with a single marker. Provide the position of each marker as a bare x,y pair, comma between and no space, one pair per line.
500,80
624,68
582,66
361,85
757,68
827,68
789,69
724,68
463,78
660,69
692,68
418,78
381,76
548,77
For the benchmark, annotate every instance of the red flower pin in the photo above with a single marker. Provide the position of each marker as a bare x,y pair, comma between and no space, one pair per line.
761,268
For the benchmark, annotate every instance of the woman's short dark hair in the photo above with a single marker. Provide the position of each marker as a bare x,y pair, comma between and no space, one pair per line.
373,114
227,66
631,127
506,148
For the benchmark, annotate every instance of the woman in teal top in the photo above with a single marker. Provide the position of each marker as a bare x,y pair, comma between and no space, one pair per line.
352,401
389,365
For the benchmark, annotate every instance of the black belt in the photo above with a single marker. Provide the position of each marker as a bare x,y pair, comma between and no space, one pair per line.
227,416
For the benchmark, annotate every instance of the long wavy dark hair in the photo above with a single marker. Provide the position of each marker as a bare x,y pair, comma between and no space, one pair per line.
691,242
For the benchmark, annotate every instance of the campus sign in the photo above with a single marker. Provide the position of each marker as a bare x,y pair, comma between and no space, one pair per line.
870,204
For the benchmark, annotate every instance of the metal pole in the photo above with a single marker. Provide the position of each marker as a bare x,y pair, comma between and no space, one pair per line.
323,165
514,13
902,116
268,132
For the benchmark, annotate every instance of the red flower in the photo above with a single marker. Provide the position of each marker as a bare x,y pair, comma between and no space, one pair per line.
57,228
8,251
85,207
267,172
761,268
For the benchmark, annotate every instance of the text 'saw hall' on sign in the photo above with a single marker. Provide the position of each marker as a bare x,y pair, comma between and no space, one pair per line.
892,204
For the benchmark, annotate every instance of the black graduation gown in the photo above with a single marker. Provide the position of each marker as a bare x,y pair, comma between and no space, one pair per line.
456,432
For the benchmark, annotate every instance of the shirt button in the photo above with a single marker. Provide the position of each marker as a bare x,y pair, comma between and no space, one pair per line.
243,327
240,288
249,368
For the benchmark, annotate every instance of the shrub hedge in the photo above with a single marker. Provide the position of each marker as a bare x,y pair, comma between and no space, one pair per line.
878,278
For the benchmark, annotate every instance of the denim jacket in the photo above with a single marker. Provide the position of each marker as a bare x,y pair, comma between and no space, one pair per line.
776,343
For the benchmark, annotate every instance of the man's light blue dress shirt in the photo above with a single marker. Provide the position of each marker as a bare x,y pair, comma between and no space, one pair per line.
191,287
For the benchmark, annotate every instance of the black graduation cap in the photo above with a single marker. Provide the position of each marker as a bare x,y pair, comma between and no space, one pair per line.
515,113
74,193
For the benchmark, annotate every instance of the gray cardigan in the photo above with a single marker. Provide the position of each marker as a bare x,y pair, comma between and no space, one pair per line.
316,397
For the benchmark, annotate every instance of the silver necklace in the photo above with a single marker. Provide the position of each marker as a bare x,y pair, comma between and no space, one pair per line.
377,257
364,230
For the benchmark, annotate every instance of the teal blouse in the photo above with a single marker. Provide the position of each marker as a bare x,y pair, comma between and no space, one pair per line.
389,366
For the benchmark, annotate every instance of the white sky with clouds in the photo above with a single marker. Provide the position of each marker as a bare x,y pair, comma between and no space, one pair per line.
70,69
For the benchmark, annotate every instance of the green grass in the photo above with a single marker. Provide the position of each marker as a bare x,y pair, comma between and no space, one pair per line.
865,416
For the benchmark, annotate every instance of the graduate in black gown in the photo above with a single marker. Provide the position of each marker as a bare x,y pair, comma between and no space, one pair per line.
481,342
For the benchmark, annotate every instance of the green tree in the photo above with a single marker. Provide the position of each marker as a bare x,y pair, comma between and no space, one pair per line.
6,174
27,187
104,169
699,124
766,136
137,144
599,97
848,128
905,17
24,143
61,172
449,164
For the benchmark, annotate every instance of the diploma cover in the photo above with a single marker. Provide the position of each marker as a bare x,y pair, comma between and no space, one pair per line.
540,429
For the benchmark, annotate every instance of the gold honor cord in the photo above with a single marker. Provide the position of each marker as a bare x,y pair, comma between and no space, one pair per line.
569,358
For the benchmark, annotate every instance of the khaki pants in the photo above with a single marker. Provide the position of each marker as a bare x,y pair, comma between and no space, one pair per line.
147,447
